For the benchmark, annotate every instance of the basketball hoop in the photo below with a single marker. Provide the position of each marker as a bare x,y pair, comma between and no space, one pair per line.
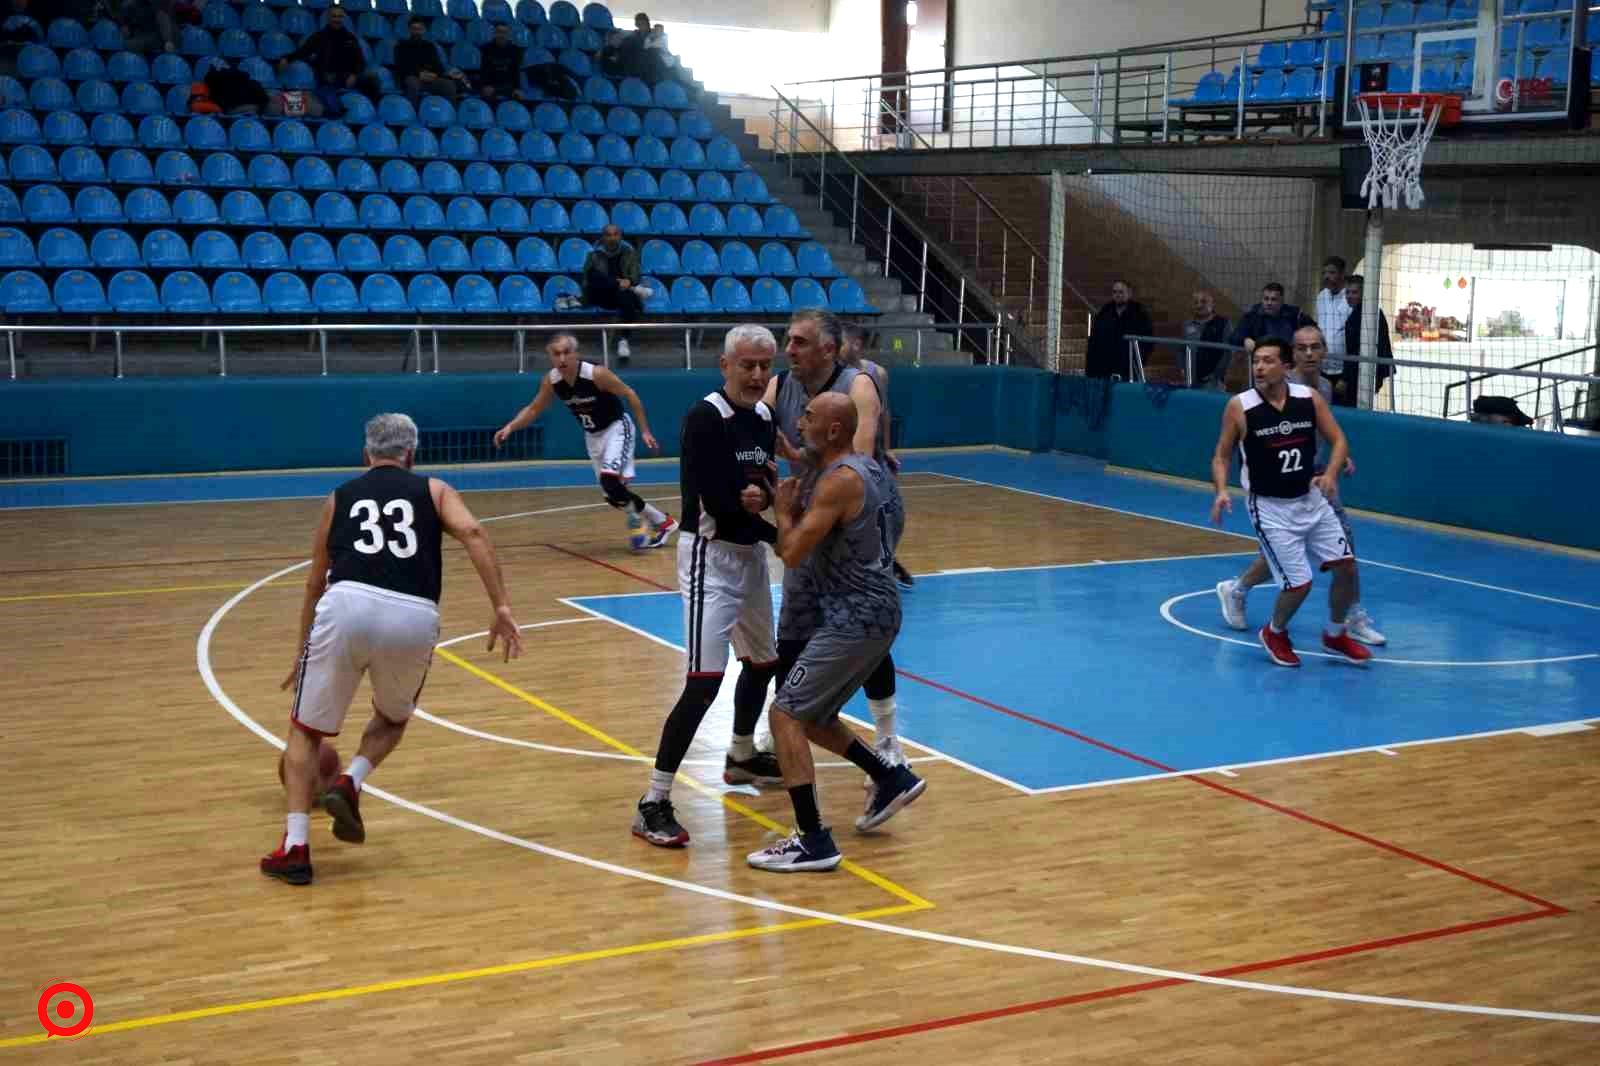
1397,127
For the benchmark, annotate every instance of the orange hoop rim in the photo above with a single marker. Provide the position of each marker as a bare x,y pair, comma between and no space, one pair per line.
1449,106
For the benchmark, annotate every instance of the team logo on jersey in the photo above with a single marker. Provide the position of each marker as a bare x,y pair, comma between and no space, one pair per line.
752,455
797,674
1282,429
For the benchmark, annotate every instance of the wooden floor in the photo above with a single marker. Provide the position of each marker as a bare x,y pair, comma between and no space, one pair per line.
1462,873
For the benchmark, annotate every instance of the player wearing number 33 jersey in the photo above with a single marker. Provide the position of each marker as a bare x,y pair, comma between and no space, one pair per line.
371,609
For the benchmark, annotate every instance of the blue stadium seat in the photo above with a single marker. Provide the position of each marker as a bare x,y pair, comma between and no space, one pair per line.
311,251
335,138
258,19
573,253
164,248
597,17
577,149
249,135
96,204
356,175
215,249
107,131
660,124
492,254
285,293
559,286
670,94
16,249
523,180
132,292
79,292
261,71
334,210
769,295
599,90
659,257
689,296
242,208
630,217
588,217
750,188
563,181
634,93
46,203
396,111
289,209
436,112
418,142
105,36
1302,84
480,179
614,151
82,64
648,151
583,118
313,174
1395,45
334,293
359,254
698,257
195,41
467,214
846,297
171,69
513,117
564,14
376,140
807,293
382,294
403,253
37,61
668,218
1304,52
495,144
236,294
380,212
509,216
676,185
12,94
24,292
264,250
97,98
813,260
721,154
535,253
62,247
1400,78
639,185
114,250
659,302
235,44
495,11
299,76
184,293
535,146
1268,88
10,209
549,37
428,294
29,162
531,13
744,220
687,154
624,122
219,17
65,127
50,94
424,212
585,40
67,33
781,222
298,22
274,45
776,259
400,178
475,114
739,259
444,32
464,55
713,187
441,179
519,295
269,172
160,133
707,219
292,137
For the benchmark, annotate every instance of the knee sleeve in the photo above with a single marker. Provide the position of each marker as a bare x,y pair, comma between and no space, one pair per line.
880,683
617,494
684,721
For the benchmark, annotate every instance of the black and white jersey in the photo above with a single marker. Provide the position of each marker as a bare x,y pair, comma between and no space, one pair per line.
725,448
386,533
594,409
1279,445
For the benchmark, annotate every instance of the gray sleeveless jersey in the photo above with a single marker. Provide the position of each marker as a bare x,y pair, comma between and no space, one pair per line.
792,400
880,443
853,566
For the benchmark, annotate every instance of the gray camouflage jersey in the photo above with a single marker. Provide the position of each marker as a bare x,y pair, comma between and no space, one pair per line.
853,566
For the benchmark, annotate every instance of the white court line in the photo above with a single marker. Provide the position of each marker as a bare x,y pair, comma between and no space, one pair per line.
1243,536
1386,751
203,664
1166,612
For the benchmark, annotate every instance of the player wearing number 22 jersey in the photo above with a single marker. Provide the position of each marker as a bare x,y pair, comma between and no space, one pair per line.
1274,427
595,397
372,608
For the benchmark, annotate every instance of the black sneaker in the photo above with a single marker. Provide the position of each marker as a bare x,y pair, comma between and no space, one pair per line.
343,803
888,800
902,576
760,769
655,823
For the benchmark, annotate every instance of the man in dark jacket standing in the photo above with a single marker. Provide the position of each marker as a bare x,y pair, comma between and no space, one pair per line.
1108,352
334,55
611,281
1269,318
1352,336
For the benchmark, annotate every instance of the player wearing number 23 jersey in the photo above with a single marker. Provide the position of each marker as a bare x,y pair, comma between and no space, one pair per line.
371,609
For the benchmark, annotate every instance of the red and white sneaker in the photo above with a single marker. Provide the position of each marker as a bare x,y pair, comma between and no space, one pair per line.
1278,646
660,534
1346,647
292,865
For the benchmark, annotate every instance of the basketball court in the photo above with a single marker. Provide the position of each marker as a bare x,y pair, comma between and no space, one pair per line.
1140,839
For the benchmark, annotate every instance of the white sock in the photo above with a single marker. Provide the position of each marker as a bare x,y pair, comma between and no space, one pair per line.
1334,629
653,515
1274,627
882,717
359,769
660,786
1239,589
297,829
1355,614
742,748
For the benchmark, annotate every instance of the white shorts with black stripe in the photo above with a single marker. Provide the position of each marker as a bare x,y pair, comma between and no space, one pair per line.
1294,532
360,629
611,449
727,596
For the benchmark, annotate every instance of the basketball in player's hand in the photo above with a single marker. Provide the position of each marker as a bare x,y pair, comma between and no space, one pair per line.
328,767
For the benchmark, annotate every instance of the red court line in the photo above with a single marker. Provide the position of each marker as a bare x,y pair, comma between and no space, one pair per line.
1240,794
1215,786
915,1028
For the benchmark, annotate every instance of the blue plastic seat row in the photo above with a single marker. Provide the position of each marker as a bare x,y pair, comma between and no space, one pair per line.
736,258
184,292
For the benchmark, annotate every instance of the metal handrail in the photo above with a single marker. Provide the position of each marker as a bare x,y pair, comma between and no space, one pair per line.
951,262
1470,380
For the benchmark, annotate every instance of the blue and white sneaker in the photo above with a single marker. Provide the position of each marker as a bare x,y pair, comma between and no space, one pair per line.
798,854
888,800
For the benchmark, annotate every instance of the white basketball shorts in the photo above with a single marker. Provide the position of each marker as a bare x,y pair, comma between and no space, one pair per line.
360,629
727,596
611,450
1295,532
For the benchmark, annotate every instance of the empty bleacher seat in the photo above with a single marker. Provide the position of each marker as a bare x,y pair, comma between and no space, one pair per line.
214,249
588,217
132,292
689,296
768,294
24,292
744,220
16,249
814,260
738,258
61,247
285,293
358,253
114,249
574,251
311,251
776,259
698,257
164,248
313,174
183,292
381,293
492,254
97,204
520,295
334,293
428,294
403,253
509,216
264,251
630,217
79,292
46,203
234,293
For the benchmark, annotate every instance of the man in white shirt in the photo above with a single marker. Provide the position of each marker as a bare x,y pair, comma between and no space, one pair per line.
1332,310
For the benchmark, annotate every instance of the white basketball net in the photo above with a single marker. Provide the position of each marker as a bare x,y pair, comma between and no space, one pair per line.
1398,141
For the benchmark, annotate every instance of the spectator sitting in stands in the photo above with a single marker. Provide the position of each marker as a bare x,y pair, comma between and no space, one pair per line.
553,79
500,73
335,58
626,55
18,29
233,91
147,25
419,67
1498,411
1210,364
1269,318
1108,353
656,49
611,281
1352,339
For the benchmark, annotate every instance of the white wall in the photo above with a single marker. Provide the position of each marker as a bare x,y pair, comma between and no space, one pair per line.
799,16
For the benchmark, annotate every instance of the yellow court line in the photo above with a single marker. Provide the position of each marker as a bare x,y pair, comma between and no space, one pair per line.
452,977
116,592
734,805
